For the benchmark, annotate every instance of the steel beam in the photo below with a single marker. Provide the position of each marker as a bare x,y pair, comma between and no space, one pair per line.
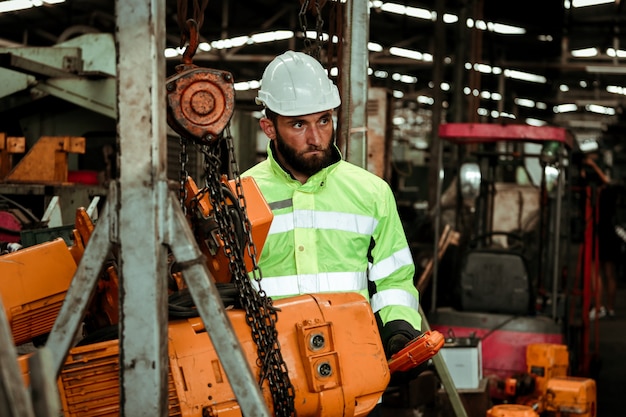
142,205
354,82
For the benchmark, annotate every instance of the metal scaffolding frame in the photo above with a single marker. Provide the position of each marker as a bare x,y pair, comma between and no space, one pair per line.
140,207
141,220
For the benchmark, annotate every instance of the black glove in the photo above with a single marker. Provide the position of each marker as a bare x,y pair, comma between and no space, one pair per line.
396,342
396,335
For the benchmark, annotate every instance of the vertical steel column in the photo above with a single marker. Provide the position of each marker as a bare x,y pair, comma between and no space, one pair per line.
354,84
142,207
436,168
557,258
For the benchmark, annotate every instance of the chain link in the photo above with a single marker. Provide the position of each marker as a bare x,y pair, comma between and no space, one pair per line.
261,315
312,48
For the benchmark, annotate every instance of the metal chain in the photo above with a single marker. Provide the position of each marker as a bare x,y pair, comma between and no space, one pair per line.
261,316
312,48
319,25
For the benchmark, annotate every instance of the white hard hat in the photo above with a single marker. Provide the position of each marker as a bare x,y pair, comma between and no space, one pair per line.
296,84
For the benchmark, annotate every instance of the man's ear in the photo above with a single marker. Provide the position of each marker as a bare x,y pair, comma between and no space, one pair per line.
268,127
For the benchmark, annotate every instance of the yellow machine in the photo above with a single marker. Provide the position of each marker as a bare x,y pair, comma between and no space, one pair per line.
330,344
33,286
546,389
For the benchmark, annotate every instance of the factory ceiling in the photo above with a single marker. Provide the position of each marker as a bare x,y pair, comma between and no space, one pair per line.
553,29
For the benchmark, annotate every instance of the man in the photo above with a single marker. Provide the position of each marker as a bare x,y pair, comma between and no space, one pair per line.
336,227
609,243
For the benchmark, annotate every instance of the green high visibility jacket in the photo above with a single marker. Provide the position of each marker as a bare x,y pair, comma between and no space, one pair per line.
340,231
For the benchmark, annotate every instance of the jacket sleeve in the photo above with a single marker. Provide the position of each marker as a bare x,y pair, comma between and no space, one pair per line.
393,295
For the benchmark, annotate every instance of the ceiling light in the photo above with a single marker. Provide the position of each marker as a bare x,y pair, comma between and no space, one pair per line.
525,76
595,108
374,47
535,122
425,100
276,35
406,53
450,18
585,52
616,53
480,24
172,52
381,74
565,108
616,89
584,3
311,34
484,68
247,85
15,5
408,11
524,102
505,29
407,79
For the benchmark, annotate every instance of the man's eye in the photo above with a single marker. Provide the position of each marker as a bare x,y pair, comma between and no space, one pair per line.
297,124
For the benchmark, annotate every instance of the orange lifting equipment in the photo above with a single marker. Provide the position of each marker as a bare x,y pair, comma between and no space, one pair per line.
330,344
200,101
210,243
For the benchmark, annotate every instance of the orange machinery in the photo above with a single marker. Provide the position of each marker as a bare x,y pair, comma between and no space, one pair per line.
330,344
546,388
35,279
33,283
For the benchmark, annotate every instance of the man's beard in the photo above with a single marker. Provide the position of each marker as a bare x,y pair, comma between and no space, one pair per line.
305,164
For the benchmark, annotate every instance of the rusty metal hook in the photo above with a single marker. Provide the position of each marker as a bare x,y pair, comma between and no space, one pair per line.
192,46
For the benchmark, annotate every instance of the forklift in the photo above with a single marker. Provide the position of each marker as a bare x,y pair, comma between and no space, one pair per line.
509,291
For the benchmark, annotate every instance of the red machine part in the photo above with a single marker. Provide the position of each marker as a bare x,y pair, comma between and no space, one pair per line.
489,133
503,350
12,222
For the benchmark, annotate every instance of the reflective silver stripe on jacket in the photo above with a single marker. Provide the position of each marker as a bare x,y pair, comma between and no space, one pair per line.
388,265
313,283
332,220
393,297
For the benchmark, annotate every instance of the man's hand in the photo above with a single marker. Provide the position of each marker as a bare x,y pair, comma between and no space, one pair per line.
396,343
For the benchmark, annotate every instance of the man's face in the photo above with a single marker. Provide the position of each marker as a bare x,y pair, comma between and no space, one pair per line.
303,143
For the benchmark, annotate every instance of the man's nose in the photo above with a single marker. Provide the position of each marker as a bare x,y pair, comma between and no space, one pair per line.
314,135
